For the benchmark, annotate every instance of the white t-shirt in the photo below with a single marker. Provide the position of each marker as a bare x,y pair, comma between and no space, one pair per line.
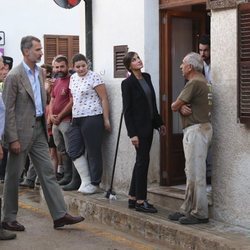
86,101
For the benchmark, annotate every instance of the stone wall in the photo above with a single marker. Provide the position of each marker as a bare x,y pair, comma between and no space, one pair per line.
231,141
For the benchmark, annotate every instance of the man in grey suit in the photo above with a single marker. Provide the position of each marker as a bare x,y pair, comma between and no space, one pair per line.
25,133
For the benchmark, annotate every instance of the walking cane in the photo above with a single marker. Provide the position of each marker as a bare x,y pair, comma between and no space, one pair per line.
110,193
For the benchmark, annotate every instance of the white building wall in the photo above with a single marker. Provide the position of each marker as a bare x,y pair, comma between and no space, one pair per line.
123,22
132,23
231,141
39,17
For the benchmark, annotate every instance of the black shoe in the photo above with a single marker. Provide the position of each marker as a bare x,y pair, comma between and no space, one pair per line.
73,185
65,180
131,203
190,220
175,216
75,182
4,235
27,183
59,176
145,207
2,179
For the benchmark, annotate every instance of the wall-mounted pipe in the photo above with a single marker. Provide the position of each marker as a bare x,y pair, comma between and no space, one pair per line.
89,30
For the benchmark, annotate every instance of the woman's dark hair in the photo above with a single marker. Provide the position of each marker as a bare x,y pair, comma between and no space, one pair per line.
79,57
128,59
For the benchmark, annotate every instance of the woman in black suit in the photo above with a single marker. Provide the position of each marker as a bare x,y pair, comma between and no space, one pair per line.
141,117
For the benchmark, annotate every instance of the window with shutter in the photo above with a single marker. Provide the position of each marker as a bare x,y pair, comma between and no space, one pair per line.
60,45
119,53
244,62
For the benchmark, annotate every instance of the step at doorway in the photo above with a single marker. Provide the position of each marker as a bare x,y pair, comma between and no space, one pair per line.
172,197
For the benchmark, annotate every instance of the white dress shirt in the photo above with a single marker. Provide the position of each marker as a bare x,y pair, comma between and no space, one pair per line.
207,71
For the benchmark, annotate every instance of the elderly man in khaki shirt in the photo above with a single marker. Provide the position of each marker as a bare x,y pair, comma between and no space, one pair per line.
194,104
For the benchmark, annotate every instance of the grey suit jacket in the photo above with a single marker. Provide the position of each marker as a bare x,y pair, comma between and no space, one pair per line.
20,107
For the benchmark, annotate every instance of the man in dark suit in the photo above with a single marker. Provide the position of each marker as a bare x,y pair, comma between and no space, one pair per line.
26,133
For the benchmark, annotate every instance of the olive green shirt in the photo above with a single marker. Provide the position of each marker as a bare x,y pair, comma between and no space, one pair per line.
197,93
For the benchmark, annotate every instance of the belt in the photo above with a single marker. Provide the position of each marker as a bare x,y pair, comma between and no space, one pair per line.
39,118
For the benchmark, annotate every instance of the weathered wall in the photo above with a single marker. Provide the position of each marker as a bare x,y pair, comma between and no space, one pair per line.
231,141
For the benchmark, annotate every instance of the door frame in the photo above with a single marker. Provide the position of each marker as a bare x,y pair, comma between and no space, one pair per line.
167,142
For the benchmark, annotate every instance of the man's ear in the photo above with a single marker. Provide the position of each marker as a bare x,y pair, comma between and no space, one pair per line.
26,52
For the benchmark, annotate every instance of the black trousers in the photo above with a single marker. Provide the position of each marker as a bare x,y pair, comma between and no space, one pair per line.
138,186
86,133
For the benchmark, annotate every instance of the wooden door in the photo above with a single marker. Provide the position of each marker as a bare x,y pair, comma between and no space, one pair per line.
180,32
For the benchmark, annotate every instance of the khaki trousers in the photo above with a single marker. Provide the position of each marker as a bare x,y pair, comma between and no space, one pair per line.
196,141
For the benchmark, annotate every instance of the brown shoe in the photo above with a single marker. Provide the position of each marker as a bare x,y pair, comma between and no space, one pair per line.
13,226
67,219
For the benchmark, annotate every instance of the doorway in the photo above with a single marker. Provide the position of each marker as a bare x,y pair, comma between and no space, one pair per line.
179,34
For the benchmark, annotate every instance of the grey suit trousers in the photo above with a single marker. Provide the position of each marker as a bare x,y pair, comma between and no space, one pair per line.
39,154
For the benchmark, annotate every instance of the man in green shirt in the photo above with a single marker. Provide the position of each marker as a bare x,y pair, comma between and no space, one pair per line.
194,104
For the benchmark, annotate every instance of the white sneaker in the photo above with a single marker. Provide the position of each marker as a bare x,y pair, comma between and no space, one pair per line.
89,189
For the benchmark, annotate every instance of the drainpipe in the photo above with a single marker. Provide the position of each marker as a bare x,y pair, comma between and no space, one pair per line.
89,30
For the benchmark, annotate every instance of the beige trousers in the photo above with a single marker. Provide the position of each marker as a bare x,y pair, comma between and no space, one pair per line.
196,141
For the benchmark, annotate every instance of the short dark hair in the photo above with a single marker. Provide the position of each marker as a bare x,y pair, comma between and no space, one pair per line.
26,42
79,57
205,39
61,58
128,59
48,68
8,60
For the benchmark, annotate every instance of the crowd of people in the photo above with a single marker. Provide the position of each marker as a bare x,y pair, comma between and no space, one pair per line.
55,120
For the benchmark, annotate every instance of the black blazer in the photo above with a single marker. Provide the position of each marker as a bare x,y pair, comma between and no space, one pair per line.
136,107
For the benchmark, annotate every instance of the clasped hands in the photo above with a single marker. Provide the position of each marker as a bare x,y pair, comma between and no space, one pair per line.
185,110
55,119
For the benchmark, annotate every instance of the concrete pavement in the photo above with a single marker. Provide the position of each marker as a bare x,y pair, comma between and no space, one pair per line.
153,227
156,227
